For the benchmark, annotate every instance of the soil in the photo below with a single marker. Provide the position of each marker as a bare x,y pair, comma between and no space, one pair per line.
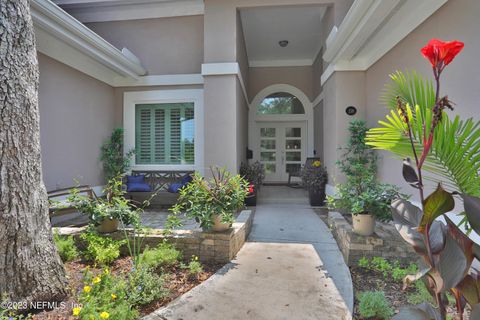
370,280
177,282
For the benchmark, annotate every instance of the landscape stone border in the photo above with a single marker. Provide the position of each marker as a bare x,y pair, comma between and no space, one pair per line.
385,242
218,247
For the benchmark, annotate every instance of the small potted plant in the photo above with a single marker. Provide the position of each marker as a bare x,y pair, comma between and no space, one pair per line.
106,213
367,202
254,173
314,179
211,202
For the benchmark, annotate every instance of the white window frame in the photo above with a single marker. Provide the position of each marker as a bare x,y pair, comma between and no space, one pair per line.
195,96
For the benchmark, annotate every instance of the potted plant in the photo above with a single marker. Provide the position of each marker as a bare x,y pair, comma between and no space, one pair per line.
211,202
254,173
106,213
314,179
361,194
115,162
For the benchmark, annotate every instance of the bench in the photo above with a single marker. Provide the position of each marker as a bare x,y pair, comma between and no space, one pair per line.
159,181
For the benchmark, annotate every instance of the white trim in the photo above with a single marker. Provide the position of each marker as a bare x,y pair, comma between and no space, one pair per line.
281,63
117,10
318,99
327,73
253,118
225,68
57,29
160,80
331,36
164,96
371,28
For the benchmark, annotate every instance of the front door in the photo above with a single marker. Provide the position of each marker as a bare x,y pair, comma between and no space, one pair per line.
281,148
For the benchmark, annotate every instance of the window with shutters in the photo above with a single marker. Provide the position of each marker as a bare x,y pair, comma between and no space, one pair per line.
165,133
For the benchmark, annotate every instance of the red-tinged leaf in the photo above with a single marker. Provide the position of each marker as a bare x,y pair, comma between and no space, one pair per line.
436,204
463,241
469,287
452,264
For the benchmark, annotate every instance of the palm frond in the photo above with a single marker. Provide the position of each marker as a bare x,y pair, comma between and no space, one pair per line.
455,153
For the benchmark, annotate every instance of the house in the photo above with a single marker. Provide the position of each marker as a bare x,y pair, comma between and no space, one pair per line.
197,83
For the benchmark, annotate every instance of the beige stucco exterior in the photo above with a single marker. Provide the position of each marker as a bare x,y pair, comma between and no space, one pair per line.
460,79
76,116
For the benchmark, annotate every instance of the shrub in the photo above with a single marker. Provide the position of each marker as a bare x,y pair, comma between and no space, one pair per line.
364,263
111,154
254,173
194,267
420,295
399,273
101,250
163,255
144,286
66,247
104,296
374,304
381,265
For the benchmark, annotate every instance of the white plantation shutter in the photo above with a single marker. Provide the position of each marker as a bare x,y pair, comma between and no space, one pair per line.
164,133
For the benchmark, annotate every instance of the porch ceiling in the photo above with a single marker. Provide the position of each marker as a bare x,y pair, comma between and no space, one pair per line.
264,27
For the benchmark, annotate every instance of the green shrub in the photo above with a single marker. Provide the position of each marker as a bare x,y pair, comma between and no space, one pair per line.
364,263
194,267
399,273
144,286
66,247
101,250
374,304
105,295
163,255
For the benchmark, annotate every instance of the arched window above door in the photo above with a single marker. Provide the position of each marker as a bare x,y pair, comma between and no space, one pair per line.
281,103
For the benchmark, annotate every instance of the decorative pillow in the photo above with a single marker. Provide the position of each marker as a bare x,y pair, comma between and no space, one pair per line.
138,187
136,179
175,187
187,179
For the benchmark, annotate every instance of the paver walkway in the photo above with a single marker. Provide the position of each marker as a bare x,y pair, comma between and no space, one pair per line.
290,268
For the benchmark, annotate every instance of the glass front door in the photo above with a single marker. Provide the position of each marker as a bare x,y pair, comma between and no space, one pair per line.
281,148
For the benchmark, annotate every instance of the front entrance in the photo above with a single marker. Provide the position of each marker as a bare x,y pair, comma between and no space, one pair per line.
281,147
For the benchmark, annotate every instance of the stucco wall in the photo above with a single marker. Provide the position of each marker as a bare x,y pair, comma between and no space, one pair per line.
299,77
76,116
457,19
163,45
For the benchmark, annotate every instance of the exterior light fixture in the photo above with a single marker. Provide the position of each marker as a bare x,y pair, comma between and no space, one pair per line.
283,43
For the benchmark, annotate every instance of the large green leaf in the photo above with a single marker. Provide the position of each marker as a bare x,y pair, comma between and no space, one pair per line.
436,204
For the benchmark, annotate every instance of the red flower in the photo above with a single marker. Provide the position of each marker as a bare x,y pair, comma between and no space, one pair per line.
440,53
250,189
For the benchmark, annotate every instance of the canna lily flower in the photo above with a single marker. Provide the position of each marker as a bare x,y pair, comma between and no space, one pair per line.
441,53
250,188
76,311
104,315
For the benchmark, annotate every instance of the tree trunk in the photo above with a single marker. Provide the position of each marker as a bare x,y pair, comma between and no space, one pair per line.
30,268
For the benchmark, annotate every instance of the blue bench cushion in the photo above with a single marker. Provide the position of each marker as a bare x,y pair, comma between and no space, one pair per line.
137,184
175,187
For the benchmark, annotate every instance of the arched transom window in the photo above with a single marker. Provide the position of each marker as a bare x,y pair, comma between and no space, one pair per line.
281,103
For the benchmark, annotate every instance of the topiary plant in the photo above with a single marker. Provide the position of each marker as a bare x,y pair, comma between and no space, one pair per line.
115,163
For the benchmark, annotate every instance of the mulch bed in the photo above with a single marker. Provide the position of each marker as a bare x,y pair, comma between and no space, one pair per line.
177,281
370,280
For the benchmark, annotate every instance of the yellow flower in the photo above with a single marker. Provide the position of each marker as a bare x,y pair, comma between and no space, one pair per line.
76,311
114,296
96,280
196,258
106,271
87,289
104,315
316,163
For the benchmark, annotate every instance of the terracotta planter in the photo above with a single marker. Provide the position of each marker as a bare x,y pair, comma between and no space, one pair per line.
108,226
363,224
251,200
316,197
218,225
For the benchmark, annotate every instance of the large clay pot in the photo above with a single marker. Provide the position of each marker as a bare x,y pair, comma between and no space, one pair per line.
363,224
316,197
108,226
218,225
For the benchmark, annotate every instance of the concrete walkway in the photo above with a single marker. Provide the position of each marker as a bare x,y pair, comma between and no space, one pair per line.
290,268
